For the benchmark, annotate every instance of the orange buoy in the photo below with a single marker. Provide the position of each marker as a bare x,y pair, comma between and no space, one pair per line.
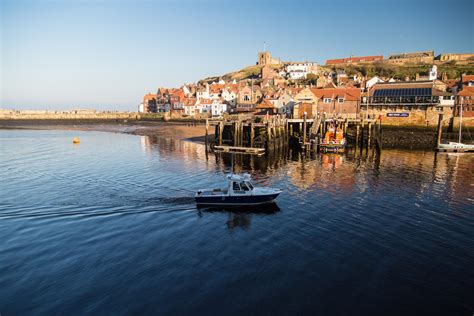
75,140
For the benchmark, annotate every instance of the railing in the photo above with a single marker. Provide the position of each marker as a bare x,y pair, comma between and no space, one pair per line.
433,100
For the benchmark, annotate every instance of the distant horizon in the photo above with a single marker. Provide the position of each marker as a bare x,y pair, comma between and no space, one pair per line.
106,55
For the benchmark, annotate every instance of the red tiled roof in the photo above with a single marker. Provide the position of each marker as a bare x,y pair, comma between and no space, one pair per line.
149,96
466,78
349,94
189,102
466,91
205,101
265,104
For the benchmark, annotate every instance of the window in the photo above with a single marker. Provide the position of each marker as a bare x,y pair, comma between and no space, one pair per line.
327,100
249,185
246,98
340,100
244,186
235,186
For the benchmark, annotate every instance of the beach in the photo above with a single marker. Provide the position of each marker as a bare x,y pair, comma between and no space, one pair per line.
174,130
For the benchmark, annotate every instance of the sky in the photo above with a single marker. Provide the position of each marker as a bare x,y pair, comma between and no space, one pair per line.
107,54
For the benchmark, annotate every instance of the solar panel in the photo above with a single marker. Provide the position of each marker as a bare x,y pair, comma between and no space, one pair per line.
403,92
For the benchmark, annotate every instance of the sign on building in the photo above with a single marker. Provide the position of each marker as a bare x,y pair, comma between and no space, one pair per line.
398,114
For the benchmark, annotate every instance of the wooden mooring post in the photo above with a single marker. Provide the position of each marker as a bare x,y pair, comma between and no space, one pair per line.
304,130
439,130
207,133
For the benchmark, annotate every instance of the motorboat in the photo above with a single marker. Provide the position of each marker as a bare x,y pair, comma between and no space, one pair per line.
458,146
333,141
239,191
455,146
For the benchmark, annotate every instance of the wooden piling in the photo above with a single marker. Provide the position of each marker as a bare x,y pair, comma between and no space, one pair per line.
369,132
304,129
221,132
252,135
439,130
207,133
241,134
269,135
357,138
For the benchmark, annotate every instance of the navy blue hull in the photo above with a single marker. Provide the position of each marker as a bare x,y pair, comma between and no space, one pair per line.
235,200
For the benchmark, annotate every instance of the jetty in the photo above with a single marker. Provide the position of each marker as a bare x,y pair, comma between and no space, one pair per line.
257,135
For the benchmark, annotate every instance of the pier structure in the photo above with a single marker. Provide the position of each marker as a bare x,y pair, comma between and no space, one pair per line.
361,132
247,134
260,134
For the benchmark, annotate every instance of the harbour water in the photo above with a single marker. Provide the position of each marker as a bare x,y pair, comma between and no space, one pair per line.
109,226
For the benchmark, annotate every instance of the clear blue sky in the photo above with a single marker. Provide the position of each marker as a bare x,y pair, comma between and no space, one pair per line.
107,54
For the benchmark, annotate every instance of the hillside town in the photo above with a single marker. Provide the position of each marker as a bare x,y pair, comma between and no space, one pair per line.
293,88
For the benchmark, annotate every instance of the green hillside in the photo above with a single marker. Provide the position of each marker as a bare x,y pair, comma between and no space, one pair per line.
452,70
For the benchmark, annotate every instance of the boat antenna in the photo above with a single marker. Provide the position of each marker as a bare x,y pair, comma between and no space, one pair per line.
460,121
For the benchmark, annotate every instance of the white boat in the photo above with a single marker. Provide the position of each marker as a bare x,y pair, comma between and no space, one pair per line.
240,191
457,146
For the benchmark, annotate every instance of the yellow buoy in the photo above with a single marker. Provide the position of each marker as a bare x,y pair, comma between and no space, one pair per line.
75,140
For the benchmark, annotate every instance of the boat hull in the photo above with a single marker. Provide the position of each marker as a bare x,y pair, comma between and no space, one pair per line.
236,200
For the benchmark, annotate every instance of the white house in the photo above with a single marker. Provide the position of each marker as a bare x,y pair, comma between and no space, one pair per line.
203,93
301,70
218,107
369,83
230,96
285,104
297,74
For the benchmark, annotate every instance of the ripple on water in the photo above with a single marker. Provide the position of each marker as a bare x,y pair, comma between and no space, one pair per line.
110,226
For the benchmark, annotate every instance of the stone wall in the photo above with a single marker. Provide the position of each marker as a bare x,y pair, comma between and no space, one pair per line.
417,117
67,115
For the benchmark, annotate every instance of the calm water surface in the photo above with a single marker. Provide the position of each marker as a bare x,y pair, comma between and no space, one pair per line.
110,227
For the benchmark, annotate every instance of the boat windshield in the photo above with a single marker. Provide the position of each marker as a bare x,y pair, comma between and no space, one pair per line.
244,186
249,184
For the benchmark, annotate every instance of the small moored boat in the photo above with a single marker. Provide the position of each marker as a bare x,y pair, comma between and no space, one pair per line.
240,191
455,147
333,141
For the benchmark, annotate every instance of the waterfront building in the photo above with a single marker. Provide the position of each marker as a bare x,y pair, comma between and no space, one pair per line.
300,108
177,98
149,103
218,107
248,98
414,102
163,100
305,95
266,106
466,98
353,60
190,106
337,100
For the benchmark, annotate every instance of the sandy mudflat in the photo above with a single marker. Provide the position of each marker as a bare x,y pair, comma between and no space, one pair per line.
173,130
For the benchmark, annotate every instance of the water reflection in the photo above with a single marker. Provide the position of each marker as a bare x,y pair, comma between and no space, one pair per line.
355,170
241,217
